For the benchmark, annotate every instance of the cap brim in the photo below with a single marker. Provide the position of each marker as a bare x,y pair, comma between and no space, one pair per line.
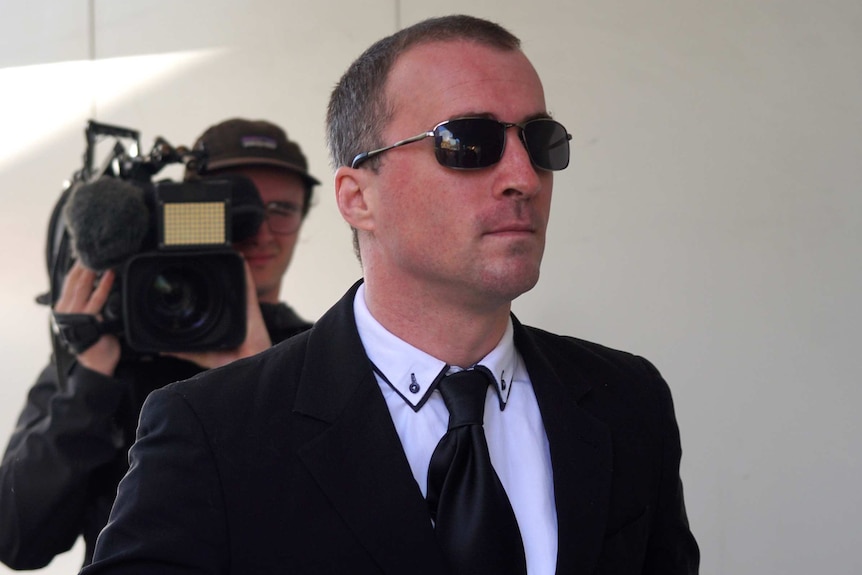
244,162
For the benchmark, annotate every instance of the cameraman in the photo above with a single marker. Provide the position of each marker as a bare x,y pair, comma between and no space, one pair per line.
59,475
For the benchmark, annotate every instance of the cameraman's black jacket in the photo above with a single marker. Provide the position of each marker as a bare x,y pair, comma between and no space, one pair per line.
59,475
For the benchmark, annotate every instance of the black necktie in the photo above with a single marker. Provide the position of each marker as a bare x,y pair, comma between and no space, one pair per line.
474,521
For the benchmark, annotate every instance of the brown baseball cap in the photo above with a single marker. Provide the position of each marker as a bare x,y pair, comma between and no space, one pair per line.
240,142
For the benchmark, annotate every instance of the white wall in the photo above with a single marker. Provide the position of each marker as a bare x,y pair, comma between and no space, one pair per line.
710,219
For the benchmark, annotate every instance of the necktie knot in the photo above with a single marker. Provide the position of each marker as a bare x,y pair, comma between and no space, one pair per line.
464,394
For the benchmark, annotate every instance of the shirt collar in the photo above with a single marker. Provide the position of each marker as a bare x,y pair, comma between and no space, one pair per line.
414,374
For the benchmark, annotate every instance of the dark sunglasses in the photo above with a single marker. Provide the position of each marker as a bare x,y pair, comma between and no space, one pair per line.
475,143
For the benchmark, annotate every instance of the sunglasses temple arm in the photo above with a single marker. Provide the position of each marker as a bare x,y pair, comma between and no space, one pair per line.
368,155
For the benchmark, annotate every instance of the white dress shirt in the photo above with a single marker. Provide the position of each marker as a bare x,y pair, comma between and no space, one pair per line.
513,425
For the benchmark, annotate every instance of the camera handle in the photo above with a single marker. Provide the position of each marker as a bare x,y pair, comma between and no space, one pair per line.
78,331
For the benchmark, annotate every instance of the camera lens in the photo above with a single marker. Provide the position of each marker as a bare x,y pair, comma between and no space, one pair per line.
184,301
178,300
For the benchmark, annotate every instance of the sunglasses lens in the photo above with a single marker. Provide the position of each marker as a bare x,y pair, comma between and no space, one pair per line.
547,143
472,143
469,143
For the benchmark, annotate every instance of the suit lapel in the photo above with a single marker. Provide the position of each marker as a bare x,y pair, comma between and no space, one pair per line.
581,455
357,459
359,463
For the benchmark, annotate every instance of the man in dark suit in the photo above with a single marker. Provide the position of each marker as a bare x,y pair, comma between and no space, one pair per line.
321,455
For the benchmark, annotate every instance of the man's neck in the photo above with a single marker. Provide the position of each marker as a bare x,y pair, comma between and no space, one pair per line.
441,326
267,296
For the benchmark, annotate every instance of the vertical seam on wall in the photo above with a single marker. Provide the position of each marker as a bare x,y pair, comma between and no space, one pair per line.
397,15
91,9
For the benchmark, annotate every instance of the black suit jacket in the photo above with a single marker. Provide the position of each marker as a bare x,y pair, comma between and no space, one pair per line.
288,462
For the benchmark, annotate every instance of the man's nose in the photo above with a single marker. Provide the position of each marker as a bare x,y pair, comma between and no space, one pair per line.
521,175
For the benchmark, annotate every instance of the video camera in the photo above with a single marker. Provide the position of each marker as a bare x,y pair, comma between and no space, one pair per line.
179,286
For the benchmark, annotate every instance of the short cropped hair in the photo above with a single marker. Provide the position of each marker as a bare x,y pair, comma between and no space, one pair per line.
358,109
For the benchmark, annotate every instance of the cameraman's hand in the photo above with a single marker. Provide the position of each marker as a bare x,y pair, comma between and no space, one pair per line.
81,295
256,336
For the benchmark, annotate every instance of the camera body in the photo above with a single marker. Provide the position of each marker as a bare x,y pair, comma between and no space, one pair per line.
188,293
179,286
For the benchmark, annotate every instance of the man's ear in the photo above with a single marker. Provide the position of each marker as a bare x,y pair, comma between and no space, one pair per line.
353,194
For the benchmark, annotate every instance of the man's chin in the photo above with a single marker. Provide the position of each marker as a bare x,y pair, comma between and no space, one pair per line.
510,281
